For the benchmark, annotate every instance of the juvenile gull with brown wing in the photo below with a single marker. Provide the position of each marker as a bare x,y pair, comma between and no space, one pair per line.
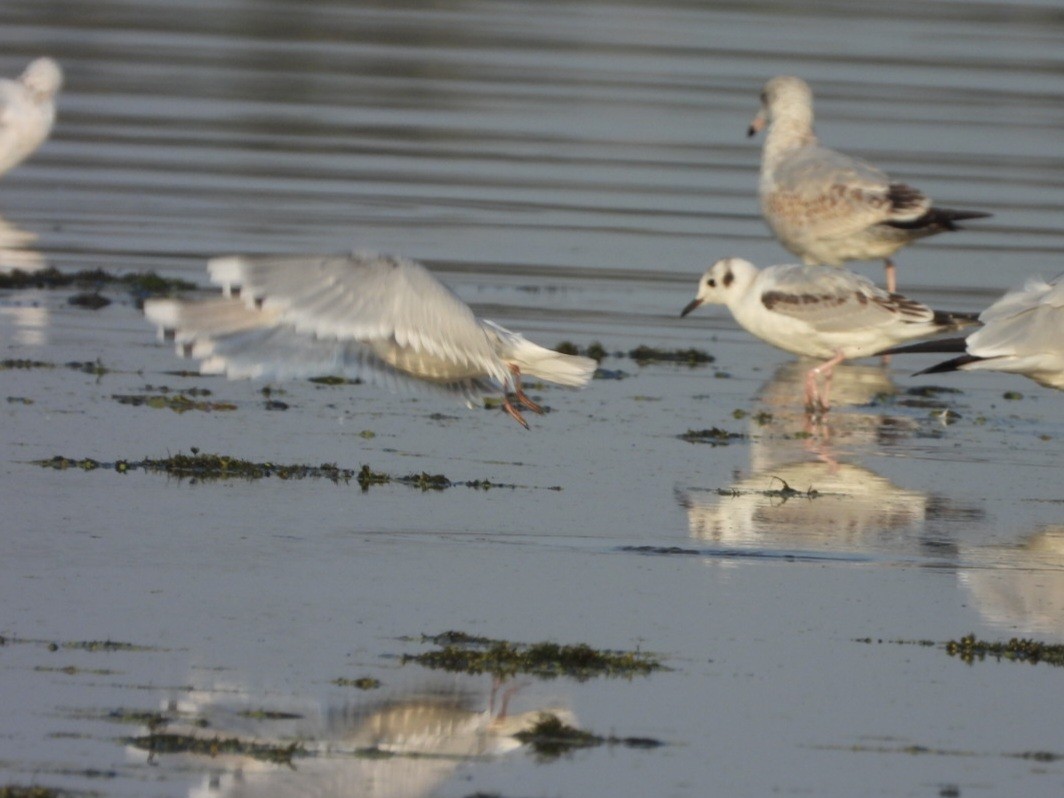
828,208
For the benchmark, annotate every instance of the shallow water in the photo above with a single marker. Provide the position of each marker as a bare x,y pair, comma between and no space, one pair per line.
570,170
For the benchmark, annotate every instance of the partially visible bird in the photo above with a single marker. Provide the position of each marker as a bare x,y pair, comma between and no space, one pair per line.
820,312
826,207
27,111
381,318
1022,333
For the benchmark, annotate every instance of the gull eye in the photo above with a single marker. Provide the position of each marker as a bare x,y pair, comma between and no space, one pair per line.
711,283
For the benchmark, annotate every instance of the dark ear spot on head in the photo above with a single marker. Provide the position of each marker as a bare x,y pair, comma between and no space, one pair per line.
729,278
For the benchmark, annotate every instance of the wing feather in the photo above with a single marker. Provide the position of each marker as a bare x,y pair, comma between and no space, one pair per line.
364,297
1026,322
240,342
827,194
833,300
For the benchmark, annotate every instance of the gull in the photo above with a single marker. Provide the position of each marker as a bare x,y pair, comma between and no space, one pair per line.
828,208
381,318
820,312
1022,333
27,111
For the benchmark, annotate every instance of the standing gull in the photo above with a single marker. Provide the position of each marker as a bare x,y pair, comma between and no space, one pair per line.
27,111
380,318
820,312
828,208
1022,333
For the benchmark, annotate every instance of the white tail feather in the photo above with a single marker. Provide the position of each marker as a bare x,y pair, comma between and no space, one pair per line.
546,364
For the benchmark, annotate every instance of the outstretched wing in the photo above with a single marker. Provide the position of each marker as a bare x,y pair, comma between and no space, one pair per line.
390,303
228,337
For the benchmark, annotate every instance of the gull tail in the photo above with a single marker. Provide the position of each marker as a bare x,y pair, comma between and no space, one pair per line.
536,361
546,364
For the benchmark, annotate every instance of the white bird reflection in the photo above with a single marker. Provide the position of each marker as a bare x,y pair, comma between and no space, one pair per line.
783,414
803,492
851,503
24,325
1020,588
16,249
404,746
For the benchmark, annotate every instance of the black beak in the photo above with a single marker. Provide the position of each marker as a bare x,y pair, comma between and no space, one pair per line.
751,132
694,303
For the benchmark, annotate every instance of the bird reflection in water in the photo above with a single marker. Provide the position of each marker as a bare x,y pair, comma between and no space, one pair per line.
1020,588
17,251
806,490
21,324
403,746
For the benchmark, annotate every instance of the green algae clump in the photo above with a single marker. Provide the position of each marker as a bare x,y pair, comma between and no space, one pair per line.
550,737
159,743
546,660
970,649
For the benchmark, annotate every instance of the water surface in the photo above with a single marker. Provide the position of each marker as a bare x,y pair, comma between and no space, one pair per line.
570,169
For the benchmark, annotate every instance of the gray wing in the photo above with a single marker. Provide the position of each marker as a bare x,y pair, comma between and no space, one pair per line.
393,303
1026,322
834,300
834,195
227,337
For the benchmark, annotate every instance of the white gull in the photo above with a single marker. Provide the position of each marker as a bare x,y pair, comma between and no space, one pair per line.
1022,333
820,312
27,111
381,318
828,208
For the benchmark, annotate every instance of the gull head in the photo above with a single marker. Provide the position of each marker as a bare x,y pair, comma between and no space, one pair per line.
722,283
43,78
784,97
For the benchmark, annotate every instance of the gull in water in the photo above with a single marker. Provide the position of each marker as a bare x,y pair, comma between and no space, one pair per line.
381,318
828,208
820,312
27,111
1022,333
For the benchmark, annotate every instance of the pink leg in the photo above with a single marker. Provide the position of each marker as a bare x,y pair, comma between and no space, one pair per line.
522,398
892,277
515,414
815,402
892,286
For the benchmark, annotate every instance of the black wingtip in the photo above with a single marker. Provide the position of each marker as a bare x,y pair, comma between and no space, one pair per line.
938,346
947,218
938,220
949,365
